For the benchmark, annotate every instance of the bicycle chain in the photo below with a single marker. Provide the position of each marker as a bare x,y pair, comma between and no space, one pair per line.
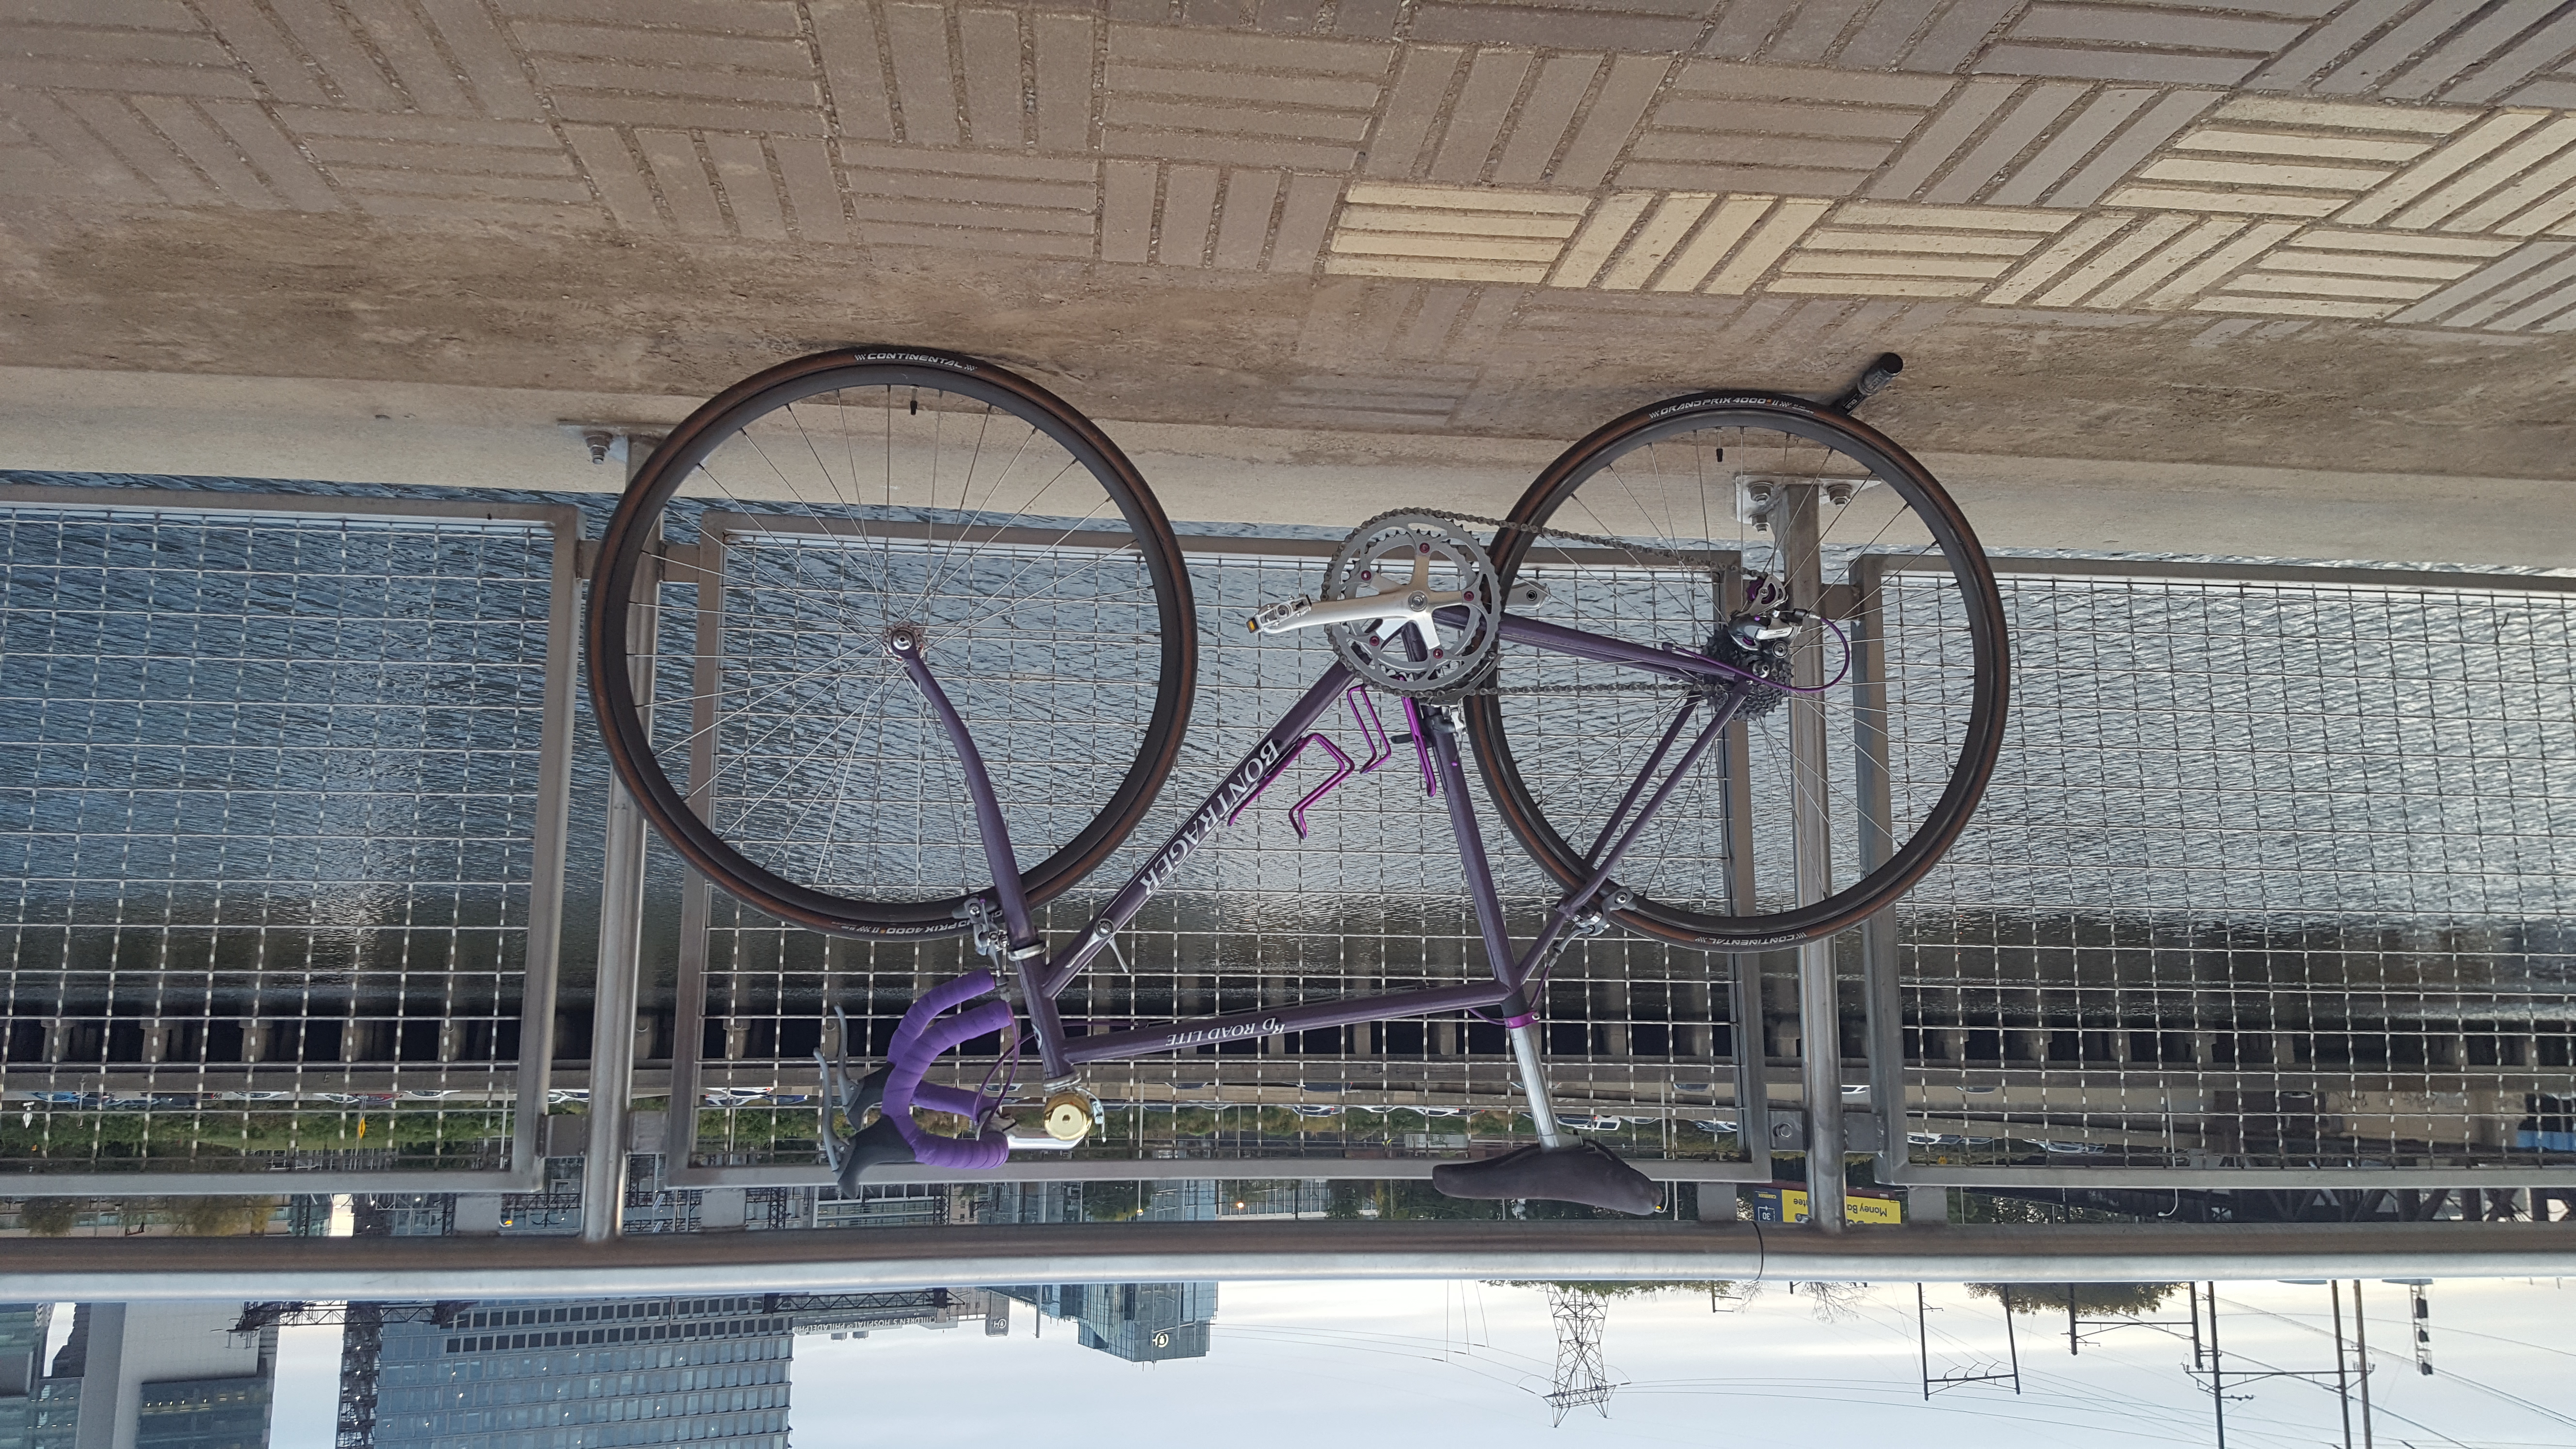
1716,576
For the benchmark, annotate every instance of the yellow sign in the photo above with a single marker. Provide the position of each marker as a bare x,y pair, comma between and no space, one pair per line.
1856,1209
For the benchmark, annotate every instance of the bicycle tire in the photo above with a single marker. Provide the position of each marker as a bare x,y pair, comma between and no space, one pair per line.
609,634
1979,744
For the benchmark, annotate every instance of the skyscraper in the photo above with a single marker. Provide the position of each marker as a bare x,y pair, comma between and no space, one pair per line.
1139,1322
589,1373
1148,1322
162,1376
22,1367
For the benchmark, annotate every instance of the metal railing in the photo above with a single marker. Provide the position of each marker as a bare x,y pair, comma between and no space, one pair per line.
2268,893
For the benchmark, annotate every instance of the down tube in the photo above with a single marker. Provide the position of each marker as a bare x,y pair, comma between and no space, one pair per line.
1208,819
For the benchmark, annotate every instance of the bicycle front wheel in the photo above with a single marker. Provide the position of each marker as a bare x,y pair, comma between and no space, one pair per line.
1712,521
781,532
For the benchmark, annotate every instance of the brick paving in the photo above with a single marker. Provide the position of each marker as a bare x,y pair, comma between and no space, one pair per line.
2360,164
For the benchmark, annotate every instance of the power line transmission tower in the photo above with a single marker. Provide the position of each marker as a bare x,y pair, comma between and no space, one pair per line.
1580,1379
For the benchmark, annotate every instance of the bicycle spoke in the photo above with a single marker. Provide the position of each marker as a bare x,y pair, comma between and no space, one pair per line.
1060,659
1579,723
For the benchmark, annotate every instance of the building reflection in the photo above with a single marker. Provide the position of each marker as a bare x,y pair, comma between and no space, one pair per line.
1139,1322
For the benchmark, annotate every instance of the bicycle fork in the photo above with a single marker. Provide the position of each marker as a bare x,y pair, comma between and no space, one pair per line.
1019,941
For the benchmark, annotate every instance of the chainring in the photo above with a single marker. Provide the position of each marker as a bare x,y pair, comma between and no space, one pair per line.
1426,567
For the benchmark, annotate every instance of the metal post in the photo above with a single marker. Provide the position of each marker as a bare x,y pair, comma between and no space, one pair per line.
1819,1013
2361,1334
2012,1343
621,951
533,1088
1744,991
1882,987
2217,1370
2343,1384
1922,1343
697,902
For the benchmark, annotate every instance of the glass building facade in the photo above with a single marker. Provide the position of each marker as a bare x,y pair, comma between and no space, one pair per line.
204,1414
151,1376
22,1367
588,1374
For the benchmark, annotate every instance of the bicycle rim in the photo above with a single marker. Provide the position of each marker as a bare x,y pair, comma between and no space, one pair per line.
1767,840
792,520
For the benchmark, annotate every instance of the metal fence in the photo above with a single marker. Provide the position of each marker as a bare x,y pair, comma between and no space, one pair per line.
285,787
2272,882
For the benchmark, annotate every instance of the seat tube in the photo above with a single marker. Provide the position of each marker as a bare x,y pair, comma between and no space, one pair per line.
1522,1026
1471,843
1520,1022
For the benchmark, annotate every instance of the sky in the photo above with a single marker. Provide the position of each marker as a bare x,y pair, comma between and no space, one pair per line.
1347,1365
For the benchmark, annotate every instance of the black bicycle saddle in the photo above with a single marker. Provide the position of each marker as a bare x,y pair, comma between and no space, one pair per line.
1586,1173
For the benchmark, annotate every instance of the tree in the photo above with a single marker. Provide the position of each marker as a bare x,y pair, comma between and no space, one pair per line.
219,1217
50,1217
1833,1302
2127,1300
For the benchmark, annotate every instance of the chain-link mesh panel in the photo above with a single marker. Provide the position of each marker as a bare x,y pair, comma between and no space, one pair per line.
2275,873
271,785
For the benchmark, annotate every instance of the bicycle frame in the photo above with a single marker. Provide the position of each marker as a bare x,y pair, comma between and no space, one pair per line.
1043,976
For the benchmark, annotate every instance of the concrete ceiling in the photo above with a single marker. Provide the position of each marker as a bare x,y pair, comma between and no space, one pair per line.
2335,237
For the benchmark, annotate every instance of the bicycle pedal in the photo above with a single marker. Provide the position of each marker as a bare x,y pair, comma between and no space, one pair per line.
1274,618
1070,1115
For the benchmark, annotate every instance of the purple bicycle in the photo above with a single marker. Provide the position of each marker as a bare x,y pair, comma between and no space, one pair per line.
1733,672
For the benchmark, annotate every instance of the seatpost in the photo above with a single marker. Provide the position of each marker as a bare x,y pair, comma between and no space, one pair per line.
1521,1024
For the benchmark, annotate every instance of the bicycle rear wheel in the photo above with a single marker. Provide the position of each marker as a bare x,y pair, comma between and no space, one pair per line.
783,529
1847,775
